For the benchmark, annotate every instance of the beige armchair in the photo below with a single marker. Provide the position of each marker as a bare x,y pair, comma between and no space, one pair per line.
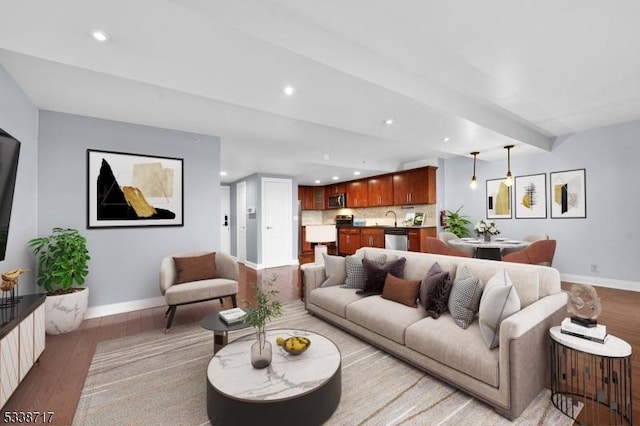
196,277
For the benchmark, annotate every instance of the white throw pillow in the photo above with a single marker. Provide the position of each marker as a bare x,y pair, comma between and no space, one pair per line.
499,300
335,269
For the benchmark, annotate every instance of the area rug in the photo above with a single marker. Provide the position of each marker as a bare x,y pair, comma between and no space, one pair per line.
157,378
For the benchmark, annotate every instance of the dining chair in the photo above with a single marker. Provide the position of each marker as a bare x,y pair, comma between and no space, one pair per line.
436,246
535,237
537,253
445,236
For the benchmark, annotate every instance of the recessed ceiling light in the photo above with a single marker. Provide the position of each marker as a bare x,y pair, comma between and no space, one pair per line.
335,178
317,181
223,173
99,35
357,173
289,90
389,121
446,139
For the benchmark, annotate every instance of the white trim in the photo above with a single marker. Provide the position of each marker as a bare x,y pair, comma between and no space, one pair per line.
602,282
119,308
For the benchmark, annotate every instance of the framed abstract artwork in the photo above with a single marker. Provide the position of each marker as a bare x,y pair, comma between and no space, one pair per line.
130,190
498,199
531,196
568,194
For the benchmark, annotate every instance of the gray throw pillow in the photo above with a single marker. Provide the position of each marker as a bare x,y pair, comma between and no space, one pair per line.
435,289
335,269
355,271
375,274
465,297
499,301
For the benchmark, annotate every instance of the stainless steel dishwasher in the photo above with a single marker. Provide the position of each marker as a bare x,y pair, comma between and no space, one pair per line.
396,238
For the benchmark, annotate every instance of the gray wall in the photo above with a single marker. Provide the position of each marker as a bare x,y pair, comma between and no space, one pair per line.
125,261
19,117
609,236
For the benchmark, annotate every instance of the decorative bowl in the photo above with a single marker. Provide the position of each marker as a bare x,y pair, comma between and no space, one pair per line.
294,345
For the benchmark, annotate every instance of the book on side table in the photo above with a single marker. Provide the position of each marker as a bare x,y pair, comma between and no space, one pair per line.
232,316
595,334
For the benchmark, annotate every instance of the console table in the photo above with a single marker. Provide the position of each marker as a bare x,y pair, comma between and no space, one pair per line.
596,375
22,340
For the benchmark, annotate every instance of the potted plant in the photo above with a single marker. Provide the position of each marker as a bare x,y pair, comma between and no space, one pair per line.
266,308
62,258
487,228
457,223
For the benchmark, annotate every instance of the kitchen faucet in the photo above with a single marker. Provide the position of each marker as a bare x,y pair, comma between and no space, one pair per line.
395,217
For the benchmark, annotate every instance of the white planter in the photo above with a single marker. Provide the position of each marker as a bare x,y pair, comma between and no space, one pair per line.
64,313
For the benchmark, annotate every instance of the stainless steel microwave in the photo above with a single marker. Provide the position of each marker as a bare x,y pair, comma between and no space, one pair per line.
337,201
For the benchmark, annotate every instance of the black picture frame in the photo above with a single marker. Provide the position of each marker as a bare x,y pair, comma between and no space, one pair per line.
134,190
499,199
568,193
531,196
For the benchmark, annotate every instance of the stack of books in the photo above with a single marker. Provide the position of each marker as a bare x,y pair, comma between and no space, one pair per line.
597,333
232,316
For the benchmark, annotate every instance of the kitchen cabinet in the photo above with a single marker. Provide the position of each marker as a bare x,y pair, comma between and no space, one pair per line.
380,190
416,186
417,238
312,197
335,189
348,240
372,237
357,193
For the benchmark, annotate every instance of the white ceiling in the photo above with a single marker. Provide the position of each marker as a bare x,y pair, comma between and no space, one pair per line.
483,73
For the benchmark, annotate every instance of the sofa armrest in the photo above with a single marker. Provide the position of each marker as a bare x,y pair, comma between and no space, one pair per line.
312,277
524,349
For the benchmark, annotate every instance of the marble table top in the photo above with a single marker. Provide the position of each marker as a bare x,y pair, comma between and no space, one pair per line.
501,243
614,347
288,376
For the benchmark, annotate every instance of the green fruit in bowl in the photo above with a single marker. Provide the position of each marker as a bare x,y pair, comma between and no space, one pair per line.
296,345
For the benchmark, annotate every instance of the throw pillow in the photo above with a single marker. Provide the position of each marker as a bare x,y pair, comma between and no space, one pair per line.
195,268
465,296
336,269
375,273
434,291
499,301
401,291
355,271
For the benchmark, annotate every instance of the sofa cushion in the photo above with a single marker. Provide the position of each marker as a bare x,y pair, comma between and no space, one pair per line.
435,288
195,268
464,350
336,270
401,291
333,299
384,317
375,273
499,301
200,290
355,270
465,296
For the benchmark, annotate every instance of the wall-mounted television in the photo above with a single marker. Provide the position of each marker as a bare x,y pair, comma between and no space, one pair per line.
9,153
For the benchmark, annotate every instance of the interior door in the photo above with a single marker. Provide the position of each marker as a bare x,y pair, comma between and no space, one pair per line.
225,218
277,222
241,214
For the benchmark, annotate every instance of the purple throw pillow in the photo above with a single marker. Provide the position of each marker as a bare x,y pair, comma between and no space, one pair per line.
434,291
375,274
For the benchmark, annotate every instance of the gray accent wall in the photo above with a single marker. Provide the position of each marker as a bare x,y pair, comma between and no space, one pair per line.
125,262
608,237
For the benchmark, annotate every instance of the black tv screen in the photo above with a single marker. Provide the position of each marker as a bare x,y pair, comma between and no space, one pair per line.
9,153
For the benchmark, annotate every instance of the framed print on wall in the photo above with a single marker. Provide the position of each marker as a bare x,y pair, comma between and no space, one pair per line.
531,196
498,199
130,190
568,194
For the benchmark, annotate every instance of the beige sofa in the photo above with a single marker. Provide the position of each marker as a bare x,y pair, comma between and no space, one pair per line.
507,377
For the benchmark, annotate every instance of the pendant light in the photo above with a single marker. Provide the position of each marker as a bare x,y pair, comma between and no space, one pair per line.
474,181
509,180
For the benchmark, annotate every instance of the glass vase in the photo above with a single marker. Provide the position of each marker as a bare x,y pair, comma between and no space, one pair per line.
261,351
487,238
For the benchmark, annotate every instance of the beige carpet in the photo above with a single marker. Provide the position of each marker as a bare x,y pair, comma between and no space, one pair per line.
153,378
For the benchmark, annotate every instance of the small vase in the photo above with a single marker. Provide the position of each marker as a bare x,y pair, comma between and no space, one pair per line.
261,351
487,238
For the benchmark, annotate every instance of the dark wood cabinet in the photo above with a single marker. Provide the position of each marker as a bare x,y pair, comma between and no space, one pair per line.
372,237
417,238
312,197
335,189
357,193
380,191
348,240
416,186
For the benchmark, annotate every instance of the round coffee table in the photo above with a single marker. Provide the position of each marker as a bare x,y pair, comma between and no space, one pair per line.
302,389
220,329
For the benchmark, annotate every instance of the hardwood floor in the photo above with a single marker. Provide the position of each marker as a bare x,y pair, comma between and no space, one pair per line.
56,382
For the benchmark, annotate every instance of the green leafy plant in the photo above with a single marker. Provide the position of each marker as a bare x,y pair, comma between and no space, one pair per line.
266,307
457,223
62,260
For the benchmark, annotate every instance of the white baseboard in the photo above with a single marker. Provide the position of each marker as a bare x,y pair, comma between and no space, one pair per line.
119,308
601,282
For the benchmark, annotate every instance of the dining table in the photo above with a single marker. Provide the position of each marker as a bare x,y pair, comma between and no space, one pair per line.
493,249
